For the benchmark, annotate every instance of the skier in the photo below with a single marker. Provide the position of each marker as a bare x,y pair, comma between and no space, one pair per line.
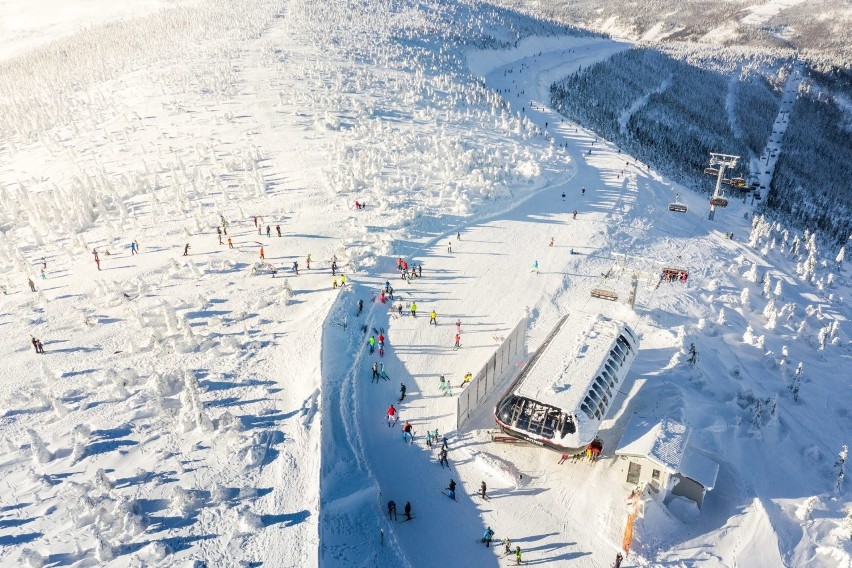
574,214
343,280
296,267
382,296
391,510
133,248
552,240
392,416
268,232
401,392
443,443
39,346
186,249
458,326
413,309
381,339
618,559
584,189
334,268
407,511
384,373
487,536
563,196
442,459
429,439
255,221
219,233
372,343
407,434
278,229
35,344
420,268
535,267
450,246
262,256
399,310
452,489
335,283
98,262
433,317
458,235
375,372
230,243
467,378
518,555
482,490
308,261
507,546
458,341
32,284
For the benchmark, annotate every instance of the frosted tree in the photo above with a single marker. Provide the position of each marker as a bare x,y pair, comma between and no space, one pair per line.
744,298
751,274
722,319
779,289
693,355
770,308
797,381
822,337
767,285
748,336
839,467
794,248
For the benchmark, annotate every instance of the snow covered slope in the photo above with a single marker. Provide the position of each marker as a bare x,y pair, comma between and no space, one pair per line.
191,409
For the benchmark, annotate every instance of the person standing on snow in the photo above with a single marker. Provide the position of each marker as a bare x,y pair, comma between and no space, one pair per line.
278,229
458,326
392,416
452,490
343,280
458,341
391,509
535,267
230,243
334,268
262,255
296,267
268,231
32,284
401,392
487,536
360,307
518,555
372,343
407,432
413,309
507,546
433,318
375,372
381,339
308,261
186,249
482,490
407,511
442,459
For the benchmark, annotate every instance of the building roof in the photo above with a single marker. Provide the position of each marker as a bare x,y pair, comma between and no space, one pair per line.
664,441
700,469
660,440
561,375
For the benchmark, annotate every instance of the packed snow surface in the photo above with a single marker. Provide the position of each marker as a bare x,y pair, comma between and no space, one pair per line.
207,399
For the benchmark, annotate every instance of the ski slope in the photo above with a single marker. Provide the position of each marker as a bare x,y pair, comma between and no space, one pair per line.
194,409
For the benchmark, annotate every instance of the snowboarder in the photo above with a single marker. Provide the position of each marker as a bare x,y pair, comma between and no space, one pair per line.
535,267
375,372
268,231
392,416
230,243
360,307
186,249
433,317
391,510
401,392
32,284
278,229
452,490
413,309
262,255
482,490
372,343
407,433
407,511
487,536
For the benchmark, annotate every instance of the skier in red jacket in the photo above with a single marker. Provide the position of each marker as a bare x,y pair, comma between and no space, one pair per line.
392,416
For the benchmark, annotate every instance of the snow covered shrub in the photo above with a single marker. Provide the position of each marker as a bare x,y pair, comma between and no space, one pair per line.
104,551
103,482
158,550
41,455
247,520
744,299
184,502
751,274
748,336
804,510
31,559
80,439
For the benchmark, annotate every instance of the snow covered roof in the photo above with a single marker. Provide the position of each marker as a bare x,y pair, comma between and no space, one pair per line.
660,440
700,469
561,375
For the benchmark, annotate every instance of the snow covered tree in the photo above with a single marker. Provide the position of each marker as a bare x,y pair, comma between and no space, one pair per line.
794,248
751,274
822,337
693,355
839,467
767,285
797,380
744,298
722,319
779,290
841,256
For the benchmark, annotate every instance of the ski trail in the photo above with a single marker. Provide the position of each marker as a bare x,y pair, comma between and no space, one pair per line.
730,105
624,117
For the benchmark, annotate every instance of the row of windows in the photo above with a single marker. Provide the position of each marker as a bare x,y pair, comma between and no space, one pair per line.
601,393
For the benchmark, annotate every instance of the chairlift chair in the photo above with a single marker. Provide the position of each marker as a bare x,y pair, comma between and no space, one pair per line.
738,182
719,201
673,274
604,294
678,207
711,171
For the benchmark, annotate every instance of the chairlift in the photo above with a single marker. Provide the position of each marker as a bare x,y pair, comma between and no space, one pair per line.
719,202
738,182
671,274
677,206
604,294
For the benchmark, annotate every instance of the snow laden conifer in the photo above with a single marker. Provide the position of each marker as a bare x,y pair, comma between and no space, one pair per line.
744,299
839,469
692,355
793,387
841,256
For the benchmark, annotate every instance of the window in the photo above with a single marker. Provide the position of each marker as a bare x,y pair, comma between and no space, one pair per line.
633,471
655,474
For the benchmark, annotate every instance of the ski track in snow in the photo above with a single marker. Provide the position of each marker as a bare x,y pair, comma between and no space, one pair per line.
234,413
624,117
